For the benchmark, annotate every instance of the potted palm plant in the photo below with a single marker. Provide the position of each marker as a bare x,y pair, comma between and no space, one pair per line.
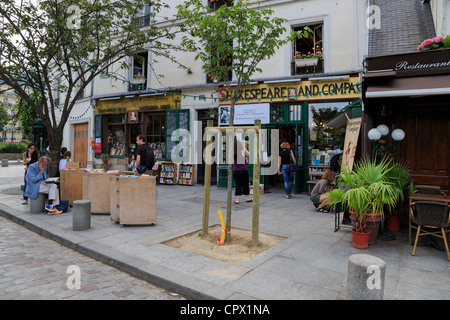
366,192
399,175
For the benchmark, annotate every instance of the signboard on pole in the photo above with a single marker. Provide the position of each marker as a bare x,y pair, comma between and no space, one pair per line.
350,144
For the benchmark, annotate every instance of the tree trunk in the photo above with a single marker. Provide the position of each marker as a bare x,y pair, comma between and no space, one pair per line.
230,177
55,143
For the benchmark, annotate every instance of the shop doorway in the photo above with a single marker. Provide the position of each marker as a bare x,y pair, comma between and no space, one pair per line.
81,143
287,133
132,132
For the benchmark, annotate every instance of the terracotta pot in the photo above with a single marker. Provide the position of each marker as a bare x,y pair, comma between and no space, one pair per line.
393,224
105,161
360,239
372,224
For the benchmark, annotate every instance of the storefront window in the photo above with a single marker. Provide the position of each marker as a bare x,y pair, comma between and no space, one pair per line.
116,136
156,134
324,141
277,113
295,112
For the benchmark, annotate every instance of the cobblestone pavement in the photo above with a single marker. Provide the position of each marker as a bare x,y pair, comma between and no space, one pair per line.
35,268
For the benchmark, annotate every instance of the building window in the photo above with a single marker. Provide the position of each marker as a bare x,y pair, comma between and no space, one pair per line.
139,69
143,17
314,44
216,4
223,62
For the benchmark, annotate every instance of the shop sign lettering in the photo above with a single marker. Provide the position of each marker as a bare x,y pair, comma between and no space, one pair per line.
309,90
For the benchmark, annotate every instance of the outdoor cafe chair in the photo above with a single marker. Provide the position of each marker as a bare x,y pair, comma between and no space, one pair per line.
432,218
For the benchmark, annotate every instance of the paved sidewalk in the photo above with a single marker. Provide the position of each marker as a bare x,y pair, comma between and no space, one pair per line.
311,263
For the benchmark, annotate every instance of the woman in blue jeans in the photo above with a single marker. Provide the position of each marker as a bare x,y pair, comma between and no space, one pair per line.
284,159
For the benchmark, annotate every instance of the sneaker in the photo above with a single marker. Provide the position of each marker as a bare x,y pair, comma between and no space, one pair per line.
288,196
51,210
24,201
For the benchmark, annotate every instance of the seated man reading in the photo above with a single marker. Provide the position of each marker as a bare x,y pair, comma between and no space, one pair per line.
36,176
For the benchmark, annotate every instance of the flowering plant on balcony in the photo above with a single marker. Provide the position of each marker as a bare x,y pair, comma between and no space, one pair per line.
309,55
431,44
138,77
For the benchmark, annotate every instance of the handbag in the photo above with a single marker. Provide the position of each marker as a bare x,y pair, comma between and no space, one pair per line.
292,166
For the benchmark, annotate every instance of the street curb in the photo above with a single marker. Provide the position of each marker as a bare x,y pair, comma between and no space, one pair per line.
113,259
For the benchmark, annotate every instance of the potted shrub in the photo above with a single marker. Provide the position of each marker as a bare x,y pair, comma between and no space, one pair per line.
307,59
366,192
105,157
400,176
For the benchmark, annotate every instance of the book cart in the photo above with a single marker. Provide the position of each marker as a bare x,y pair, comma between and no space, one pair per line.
186,174
168,173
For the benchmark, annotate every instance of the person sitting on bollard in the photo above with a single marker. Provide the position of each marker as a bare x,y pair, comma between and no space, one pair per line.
36,174
319,194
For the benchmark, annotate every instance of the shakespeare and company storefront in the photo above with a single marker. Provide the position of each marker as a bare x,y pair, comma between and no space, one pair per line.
285,106
119,120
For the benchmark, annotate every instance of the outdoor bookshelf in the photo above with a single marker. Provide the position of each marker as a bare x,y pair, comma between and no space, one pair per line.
186,174
168,173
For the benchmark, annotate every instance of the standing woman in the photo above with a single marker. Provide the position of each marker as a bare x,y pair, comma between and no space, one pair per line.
30,156
240,172
284,159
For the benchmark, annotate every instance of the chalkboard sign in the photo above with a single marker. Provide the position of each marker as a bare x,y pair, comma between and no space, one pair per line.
184,120
171,122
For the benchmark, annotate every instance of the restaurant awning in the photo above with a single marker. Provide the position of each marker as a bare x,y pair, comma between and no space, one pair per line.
409,86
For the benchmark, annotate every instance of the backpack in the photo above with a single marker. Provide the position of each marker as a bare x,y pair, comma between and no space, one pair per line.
334,163
149,159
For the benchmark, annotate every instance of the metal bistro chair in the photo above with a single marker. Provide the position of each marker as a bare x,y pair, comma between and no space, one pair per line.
431,215
423,189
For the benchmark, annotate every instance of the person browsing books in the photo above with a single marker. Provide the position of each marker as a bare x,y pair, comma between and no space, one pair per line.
145,158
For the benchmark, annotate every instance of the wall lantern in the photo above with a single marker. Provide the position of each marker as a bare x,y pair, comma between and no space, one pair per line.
378,134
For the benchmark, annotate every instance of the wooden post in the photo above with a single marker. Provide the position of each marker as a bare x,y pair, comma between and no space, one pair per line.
207,184
256,174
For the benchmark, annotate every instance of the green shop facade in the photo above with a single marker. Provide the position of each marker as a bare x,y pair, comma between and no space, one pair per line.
286,106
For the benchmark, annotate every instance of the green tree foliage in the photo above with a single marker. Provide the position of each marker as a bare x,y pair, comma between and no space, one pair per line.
233,40
4,117
62,45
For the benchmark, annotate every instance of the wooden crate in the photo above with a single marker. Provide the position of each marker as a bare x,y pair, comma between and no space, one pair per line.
71,185
96,188
133,200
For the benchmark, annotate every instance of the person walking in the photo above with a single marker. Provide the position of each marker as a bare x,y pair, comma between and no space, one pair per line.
319,194
31,155
240,172
285,158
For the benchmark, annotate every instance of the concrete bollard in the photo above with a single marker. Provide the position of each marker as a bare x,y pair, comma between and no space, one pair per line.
5,162
81,215
38,205
365,277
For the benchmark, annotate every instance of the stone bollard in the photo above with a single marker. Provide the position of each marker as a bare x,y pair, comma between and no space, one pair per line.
365,277
5,162
38,205
81,215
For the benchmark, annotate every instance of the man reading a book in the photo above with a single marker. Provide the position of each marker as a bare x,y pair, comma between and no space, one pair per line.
36,176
